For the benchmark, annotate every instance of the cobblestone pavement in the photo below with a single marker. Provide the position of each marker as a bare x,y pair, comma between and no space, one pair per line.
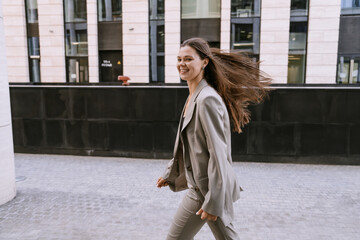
97,198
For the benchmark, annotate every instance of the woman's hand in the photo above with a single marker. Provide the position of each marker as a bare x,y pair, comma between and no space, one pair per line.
161,182
205,215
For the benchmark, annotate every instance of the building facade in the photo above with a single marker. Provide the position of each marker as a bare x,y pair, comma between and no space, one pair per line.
95,41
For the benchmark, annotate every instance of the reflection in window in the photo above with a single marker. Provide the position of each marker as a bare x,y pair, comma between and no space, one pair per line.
348,70
297,41
245,8
109,10
75,10
76,39
31,11
297,52
200,9
157,9
76,45
297,37
33,39
350,7
299,7
245,27
77,69
157,41
243,36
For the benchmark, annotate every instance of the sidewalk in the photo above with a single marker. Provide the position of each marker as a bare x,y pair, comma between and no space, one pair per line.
97,198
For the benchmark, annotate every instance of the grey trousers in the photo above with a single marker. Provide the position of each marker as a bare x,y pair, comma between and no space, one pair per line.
187,224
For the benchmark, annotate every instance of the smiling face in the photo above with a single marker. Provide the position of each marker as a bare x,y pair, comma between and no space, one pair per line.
189,64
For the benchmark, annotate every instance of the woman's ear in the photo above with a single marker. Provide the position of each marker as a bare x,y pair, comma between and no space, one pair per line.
206,61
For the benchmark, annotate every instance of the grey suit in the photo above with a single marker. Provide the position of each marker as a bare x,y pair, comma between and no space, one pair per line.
202,154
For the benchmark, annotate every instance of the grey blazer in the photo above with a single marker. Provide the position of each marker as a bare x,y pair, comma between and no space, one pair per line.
202,154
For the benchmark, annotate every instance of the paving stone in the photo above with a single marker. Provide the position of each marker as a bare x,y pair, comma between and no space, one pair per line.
98,198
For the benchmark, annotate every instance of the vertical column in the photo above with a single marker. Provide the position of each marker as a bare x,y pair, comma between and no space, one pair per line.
136,40
16,40
274,38
225,25
92,28
172,39
323,37
7,169
51,34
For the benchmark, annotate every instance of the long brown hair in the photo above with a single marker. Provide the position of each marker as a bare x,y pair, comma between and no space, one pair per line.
236,78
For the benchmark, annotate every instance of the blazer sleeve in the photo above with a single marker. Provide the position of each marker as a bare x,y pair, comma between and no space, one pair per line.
211,113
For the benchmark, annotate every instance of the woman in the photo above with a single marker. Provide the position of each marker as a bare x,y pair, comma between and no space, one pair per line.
221,85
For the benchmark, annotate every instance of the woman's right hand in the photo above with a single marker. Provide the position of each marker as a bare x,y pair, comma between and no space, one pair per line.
161,182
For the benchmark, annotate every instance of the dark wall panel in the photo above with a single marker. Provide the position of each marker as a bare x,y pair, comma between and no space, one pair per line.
294,125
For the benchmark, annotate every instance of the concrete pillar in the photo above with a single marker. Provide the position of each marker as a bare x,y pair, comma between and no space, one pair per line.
136,40
274,38
93,52
323,37
7,169
225,25
16,40
52,46
172,39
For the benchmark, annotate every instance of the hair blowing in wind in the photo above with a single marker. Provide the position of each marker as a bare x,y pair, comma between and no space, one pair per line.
235,77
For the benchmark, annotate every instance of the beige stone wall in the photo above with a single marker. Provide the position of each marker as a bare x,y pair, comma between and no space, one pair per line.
7,168
225,30
274,38
52,46
172,39
323,37
136,40
93,52
16,40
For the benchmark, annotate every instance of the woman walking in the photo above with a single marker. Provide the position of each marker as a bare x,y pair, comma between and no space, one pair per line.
221,85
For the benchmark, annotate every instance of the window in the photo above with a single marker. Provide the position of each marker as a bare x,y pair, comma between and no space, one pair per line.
245,27
157,40
201,18
76,45
33,39
350,7
297,42
299,8
109,10
349,43
245,8
348,70
110,40
200,9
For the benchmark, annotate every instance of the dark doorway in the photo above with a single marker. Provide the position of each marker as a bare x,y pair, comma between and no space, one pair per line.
110,65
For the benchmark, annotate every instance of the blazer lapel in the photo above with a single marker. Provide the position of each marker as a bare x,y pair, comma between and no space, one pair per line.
192,103
178,132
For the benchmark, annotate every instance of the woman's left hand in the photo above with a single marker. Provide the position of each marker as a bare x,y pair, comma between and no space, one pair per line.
205,215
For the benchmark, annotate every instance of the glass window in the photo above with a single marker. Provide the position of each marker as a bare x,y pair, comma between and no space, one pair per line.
76,39
349,7
200,9
297,52
32,27
77,70
245,8
297,37
296,68
243,36
299,7
109,10
31,11
348,70
75,10
157,9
